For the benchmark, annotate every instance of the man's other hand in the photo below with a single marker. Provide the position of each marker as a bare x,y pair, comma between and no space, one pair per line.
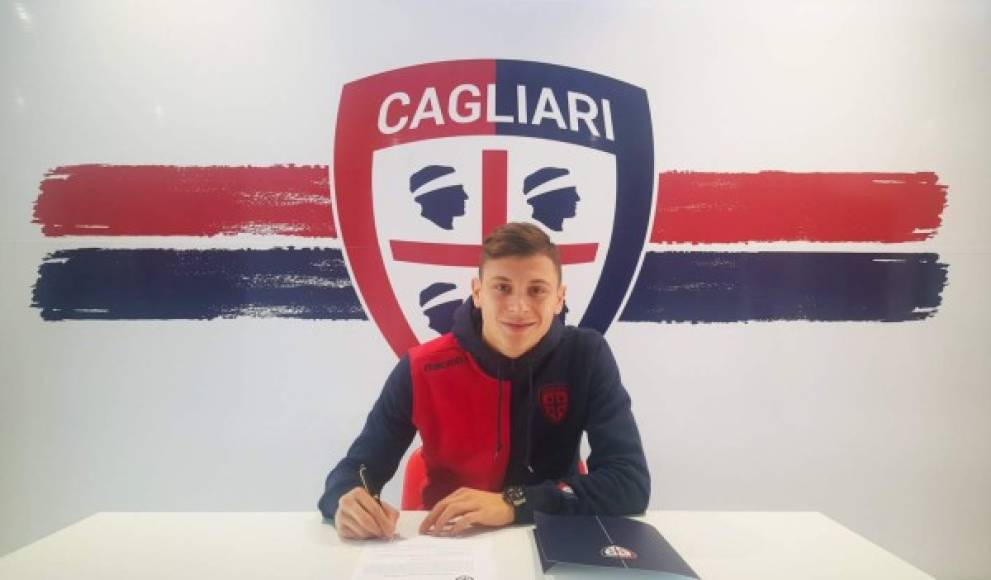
466,508
360,517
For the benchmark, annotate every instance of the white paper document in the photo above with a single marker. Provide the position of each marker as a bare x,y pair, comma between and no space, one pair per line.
427,558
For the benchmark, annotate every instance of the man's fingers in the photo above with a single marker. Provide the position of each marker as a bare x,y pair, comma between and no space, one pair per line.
391,518
453,510
349,529
429,520
355,512
377,512
433,515
461,526
342,530
346,531
361,529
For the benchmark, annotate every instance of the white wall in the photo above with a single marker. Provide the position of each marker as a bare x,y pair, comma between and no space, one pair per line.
882,427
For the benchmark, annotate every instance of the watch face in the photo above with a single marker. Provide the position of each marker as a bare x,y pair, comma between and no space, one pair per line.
514,495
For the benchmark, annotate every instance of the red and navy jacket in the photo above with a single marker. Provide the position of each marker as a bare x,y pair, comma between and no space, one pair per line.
487,422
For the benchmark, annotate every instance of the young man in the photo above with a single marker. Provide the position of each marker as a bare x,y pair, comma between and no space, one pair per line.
500,403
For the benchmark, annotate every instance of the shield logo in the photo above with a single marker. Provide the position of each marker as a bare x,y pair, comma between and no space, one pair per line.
554,402
431,158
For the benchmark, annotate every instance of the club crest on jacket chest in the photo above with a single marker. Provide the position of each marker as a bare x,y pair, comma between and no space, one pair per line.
554,402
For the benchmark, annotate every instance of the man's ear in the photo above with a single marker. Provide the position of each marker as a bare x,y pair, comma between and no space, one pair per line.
476,288
561,291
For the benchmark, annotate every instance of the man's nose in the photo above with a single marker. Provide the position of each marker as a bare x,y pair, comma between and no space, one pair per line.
518,303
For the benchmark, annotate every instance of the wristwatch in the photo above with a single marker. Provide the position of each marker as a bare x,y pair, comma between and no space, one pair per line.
514,496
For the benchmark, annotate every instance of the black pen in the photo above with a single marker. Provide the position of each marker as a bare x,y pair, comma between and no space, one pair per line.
364,483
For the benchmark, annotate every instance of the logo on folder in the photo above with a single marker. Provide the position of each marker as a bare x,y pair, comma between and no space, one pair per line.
618,553
431,158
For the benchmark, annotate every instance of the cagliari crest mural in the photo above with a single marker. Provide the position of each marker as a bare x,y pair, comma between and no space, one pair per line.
429,158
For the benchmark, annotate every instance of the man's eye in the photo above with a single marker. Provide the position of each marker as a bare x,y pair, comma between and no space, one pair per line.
538,291
503,288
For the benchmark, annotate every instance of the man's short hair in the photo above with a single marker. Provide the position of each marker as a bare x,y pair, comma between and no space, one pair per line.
519,240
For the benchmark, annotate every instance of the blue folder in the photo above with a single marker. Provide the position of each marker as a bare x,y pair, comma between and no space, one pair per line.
608,547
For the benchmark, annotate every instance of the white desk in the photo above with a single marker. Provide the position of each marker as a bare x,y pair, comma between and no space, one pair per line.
244,546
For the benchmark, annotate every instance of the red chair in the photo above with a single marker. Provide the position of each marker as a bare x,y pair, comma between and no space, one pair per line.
415,477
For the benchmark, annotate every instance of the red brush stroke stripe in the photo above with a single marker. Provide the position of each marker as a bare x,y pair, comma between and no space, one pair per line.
163,200
111,200
779,206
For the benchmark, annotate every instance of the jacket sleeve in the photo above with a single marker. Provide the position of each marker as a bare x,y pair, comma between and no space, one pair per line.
384,439
618,482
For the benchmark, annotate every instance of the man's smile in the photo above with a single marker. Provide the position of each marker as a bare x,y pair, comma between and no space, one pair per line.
518,326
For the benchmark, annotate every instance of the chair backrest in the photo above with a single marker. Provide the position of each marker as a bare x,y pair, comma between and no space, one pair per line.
414,478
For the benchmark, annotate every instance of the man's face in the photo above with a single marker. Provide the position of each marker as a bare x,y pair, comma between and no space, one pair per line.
519,298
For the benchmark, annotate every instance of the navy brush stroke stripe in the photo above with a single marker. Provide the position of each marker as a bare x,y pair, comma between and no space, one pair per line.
91,283
734,287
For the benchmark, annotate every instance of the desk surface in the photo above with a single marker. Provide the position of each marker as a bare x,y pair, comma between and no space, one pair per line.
244,546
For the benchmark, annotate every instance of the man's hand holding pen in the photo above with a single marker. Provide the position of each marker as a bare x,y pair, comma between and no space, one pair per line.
361,515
